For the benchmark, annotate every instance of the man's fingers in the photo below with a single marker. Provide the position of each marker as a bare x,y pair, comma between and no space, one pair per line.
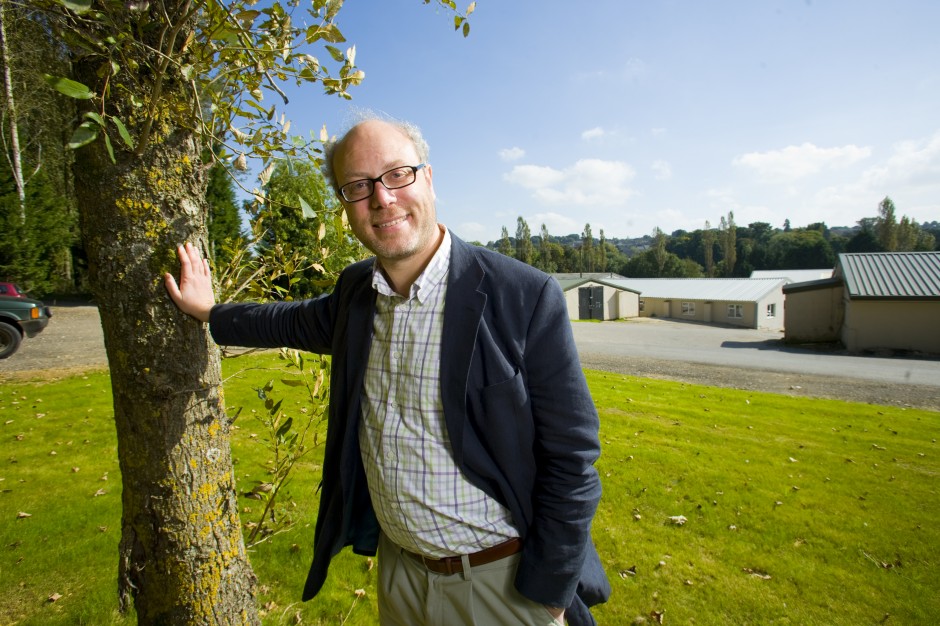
171,286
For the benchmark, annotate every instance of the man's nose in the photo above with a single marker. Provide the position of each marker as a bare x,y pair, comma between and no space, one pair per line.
382,196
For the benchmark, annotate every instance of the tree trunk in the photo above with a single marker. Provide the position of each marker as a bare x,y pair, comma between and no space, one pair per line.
16,164
182,557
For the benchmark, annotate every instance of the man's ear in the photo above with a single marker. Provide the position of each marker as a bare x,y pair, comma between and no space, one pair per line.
430,175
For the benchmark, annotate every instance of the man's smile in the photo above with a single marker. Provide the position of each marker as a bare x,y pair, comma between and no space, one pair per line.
392,223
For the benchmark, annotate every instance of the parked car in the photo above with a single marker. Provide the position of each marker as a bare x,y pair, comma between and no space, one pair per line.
20,317
10,289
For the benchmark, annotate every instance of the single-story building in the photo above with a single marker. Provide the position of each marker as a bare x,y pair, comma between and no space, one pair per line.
874,301
747,302
590,296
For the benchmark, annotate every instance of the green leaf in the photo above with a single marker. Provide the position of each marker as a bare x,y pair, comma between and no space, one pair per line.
83,135
69,87
95,117
77,6
122,131
285,428
306,209
107,144
292,382
336,53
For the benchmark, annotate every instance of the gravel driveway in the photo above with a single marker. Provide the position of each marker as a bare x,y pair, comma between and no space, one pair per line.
646,347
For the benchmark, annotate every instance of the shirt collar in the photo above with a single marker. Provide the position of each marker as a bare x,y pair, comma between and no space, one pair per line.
433,275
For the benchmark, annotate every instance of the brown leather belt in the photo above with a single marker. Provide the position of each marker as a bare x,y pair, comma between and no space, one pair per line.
454,564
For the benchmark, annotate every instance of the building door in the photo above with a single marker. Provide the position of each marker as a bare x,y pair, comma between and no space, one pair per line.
591,303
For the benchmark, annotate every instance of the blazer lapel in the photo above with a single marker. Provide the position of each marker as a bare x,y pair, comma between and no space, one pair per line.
463,310
358,339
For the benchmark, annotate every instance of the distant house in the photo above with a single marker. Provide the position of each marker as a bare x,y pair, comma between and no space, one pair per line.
874,301
747,302
591,296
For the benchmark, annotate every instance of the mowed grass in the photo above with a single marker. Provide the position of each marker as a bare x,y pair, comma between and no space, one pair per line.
798,511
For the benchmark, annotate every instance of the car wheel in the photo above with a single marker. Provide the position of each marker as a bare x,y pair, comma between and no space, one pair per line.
10,339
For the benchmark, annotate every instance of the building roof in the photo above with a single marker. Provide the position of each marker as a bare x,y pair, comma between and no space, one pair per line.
891,275
570,280
713,289
794,276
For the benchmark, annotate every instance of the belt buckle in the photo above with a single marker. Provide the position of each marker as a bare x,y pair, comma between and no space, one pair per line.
448,566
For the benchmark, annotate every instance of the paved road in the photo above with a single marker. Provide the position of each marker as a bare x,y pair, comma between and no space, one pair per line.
646,347
743,348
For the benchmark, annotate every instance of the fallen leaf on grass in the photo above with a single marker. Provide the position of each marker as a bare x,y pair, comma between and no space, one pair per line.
100,492
657,616
678,520
54,597
630,571
757,573
22,515
360,593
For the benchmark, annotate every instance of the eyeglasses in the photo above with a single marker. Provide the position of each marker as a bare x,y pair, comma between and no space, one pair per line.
393,179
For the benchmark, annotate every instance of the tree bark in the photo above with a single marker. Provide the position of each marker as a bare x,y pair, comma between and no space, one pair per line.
182,558
16,164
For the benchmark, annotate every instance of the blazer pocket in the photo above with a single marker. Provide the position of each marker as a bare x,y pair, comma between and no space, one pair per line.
506,421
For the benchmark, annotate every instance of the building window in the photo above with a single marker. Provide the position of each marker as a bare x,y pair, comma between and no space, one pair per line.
771,310
736,311
688,308
642,305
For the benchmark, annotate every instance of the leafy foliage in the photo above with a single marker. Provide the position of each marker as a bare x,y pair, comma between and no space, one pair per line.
302,216
35,246
288,440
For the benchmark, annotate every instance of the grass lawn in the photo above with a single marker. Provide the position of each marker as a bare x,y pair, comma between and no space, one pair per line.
793,510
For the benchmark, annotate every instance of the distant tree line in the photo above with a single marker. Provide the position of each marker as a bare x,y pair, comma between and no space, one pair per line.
726,251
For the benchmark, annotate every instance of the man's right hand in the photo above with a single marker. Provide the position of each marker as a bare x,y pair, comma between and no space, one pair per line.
194,295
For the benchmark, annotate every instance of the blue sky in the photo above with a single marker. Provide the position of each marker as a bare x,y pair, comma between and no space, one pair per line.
632,115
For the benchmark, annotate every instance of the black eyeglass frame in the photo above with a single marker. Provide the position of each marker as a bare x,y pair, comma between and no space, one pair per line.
414,170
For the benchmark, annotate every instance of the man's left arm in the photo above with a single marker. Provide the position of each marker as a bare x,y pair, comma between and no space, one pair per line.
567,487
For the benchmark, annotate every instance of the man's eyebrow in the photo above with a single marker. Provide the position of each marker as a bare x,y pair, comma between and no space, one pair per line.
354,176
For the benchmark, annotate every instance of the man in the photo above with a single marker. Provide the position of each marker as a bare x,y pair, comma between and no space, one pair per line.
462,436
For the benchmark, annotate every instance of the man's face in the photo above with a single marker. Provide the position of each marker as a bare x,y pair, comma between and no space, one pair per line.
395,224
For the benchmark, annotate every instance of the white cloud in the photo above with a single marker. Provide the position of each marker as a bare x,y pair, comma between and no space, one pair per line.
795,162
589,182
556,223
471,231
635,69
534,176
661,169
511,154
594,133
911,174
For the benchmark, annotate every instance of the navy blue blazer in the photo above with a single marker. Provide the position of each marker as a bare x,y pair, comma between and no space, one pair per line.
519,414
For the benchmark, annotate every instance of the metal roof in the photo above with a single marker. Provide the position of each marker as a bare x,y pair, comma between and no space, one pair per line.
714,289
794,276
911,275
570,281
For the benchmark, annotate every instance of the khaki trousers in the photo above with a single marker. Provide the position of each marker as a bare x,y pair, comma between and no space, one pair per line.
410,595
